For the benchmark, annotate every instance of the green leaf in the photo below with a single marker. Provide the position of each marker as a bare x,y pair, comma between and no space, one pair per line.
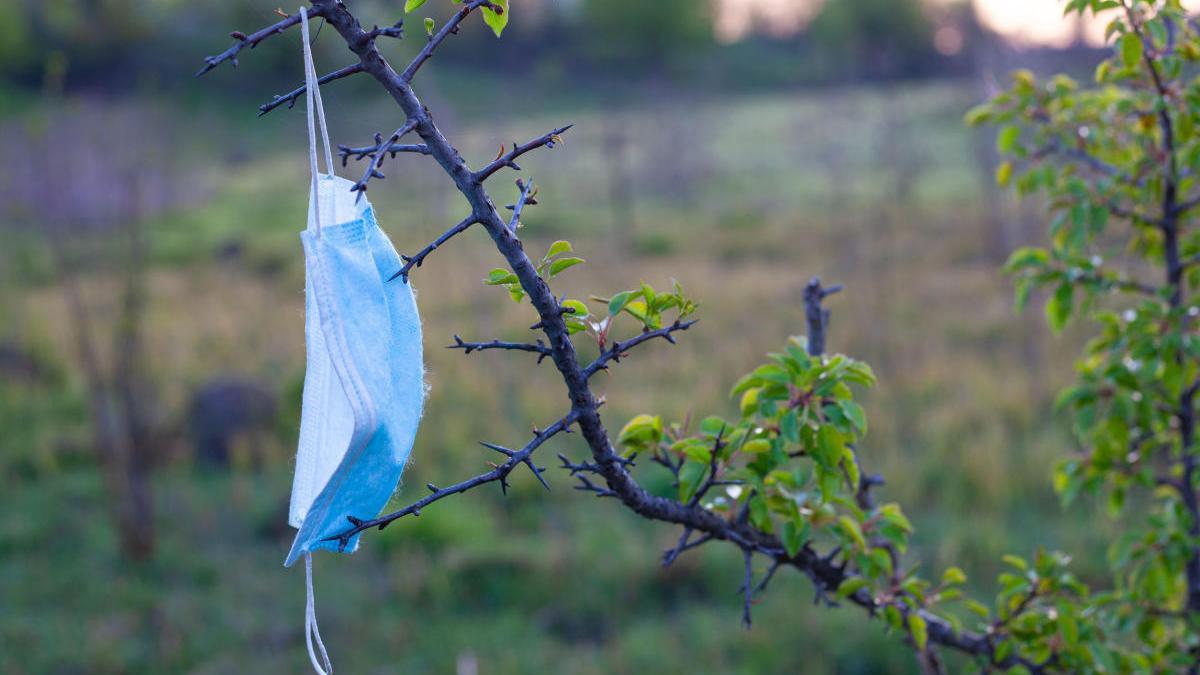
410,5
850,464
829,447
851,528
641,432
794,537
891,513
1004,174
1016,561
757,446
749,402
1006,140
854,413
560,246
690,475
978,115
850,586
562,264
581,309
500,276
760,517
1059,306
953,576
918,629
496,20
978,608
1027,257
429,24
1130,47
618,302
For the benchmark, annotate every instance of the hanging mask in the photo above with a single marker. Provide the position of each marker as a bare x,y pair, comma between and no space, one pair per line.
364,378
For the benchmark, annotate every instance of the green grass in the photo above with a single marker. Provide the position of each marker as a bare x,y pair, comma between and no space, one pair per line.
741,200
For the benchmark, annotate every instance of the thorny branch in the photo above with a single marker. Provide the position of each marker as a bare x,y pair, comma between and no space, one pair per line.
509,159
294,95
526,198
619,350
242,41
540,348
498,474
606,464
392,150
451,28
382,148
416,260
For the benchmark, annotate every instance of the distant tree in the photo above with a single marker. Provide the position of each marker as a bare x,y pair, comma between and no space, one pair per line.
873,38
645,33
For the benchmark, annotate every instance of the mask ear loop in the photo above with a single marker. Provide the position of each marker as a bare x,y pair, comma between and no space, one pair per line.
313,98
311,631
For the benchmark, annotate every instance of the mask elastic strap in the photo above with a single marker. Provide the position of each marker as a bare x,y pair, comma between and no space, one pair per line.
310,625
312,93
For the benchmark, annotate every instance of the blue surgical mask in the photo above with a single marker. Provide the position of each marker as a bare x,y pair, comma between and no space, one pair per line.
364,383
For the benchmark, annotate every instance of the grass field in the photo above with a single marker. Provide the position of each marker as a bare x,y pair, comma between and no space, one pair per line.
741,200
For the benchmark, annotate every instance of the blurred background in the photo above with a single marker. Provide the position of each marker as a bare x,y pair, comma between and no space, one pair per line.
151,323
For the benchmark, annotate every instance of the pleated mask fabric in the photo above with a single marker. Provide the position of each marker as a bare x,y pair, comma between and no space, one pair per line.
364,383
364,380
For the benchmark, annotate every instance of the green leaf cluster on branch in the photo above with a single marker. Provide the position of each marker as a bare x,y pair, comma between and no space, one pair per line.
1117,165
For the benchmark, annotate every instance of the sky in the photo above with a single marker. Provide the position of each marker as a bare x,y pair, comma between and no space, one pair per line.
1025,22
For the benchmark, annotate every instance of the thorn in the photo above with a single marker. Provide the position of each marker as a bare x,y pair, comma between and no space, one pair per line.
537,472
432,487
280,12
498,448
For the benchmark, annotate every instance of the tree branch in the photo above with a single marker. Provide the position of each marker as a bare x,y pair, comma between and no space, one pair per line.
619,350
243,41
436,39
540,348
508,159
526,198
371,150
419,258
499,473
292,96
378,155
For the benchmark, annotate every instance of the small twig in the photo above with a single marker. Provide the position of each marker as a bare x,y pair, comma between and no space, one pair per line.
762,585
618,350
292,96
540,348
508,159
380,152
747,587
391,151
526,198
436,39
499,473
243,41
416,260
587,485
672,554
